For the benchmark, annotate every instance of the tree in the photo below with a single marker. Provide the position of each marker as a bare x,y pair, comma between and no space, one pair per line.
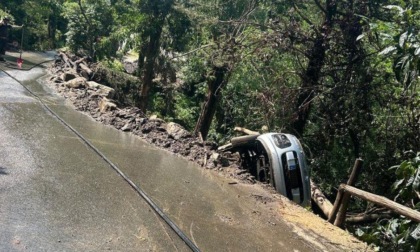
222,35
42,19
156,13
88,22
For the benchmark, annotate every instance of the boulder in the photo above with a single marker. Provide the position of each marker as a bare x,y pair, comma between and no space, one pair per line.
176,131
78,82
102,90
130,65
155,118
106,105
127,127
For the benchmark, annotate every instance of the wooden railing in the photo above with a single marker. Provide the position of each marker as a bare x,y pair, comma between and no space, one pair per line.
337,213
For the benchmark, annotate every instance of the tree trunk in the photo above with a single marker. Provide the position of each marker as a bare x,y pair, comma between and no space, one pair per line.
156,13
367,218
52,28
312,74
213,95
148,72
320,200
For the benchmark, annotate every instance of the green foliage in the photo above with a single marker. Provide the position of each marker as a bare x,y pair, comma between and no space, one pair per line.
186,111
399,234
5,14
114,65
44,27
178,32
407,185
404,42
392,235
88,23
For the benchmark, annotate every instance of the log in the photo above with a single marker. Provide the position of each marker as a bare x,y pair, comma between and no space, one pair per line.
235,140
66,60
243,140
81,60
320,200
246,131
367,218
382,201
85,68
225,147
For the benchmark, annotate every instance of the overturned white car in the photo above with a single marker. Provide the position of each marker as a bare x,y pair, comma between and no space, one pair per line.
278,159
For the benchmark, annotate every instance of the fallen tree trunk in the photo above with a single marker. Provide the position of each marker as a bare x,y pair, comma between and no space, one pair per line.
85,68
225,147
320,200
367,218
382,201
67,61
246,131
235,140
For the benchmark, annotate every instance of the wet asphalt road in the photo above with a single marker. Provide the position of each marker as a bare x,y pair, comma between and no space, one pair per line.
57,195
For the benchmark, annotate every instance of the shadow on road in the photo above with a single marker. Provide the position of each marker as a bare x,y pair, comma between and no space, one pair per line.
3,171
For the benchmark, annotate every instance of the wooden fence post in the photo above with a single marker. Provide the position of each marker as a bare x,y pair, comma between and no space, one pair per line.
338,213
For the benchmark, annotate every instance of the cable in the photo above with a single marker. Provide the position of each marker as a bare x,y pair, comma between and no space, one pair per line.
143,194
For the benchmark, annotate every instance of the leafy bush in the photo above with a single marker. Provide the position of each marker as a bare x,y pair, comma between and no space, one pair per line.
399,234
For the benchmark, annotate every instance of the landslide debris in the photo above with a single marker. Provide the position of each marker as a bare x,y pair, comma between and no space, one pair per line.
108,105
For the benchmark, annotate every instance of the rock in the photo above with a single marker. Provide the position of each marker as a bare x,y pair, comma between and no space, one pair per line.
215,156
146,129
198,143
161,129
127,127
130,66
67,76
102,90
211,145
141,121
92,85
155,118
78,82
240,172
106,105
176,131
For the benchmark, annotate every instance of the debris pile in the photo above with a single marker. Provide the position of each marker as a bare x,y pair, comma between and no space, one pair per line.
74,79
